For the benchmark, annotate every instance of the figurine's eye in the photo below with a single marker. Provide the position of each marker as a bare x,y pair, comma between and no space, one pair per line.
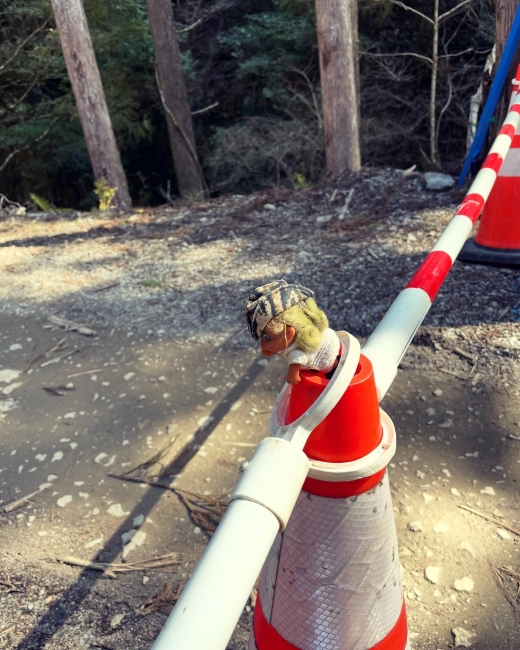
266,337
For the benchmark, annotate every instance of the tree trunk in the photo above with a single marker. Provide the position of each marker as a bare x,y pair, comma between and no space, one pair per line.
174,97
90,98
505,11
339,67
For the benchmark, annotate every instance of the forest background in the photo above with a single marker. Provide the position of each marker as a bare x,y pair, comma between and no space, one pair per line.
252,74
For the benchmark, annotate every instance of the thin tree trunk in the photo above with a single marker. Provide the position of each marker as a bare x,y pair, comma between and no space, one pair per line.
505,11
90,98
337,24
434,154
174,97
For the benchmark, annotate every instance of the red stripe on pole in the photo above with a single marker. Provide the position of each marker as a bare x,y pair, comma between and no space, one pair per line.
342,489
471,206
515,144
431,273
515,108
507,129
493,161
267,638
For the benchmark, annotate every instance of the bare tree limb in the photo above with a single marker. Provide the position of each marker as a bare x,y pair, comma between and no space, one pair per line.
414,54
206,109
28,146
311,88
190,27
175,122
414,11
454,10
23,44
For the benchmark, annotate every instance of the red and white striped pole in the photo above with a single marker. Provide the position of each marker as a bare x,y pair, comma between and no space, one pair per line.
389,341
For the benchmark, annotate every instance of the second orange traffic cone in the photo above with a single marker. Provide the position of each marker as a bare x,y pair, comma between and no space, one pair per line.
498,238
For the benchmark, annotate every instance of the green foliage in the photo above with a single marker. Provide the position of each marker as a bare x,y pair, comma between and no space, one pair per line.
105,194
40,202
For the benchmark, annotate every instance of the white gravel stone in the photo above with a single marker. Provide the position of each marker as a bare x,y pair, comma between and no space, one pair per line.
7,375
94,542
488,490
466,546
9,389
428,498
415,526
64,501
117,620
129,376
58,455
441,527
117,511
436,182
205,421
100,457
455,492
463,638
464,584
503,533
211,390
437,392
430,411
136,541
447,424
432,574
15,346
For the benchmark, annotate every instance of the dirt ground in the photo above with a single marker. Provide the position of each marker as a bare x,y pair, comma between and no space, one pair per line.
161,385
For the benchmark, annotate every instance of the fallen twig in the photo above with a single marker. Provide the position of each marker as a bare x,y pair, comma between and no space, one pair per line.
69,326
466,355
166,596
106,287
153,460
112,568
33,358
491,519
84,372
6,630
61,356
14,505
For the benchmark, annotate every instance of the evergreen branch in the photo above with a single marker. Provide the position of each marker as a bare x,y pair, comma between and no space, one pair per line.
186,139
449,13
28,146
414,11
23,44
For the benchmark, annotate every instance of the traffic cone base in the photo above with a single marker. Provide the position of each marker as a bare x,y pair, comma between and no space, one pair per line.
473,252
332,578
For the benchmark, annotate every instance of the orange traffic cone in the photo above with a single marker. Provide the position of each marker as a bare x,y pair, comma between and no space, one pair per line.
332,578
498,237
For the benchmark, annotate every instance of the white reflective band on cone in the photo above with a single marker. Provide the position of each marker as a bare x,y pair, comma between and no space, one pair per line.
332,579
